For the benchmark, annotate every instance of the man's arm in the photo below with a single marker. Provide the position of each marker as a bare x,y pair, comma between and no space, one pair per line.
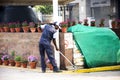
54,42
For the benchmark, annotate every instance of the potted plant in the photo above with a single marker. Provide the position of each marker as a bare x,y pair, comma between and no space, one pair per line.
6,28
113,23
73,23
32,61
1,27
48,64
24,62
79,22
12,26
118,23
5,59
1,62
92,23
18,61
12,61
32,27
39,26
102,22
64,26
25,26
17,27
86,22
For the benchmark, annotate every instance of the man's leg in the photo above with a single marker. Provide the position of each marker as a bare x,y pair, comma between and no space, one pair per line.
50,54
42,54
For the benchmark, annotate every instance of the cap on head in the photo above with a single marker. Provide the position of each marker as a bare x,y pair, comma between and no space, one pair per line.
56,24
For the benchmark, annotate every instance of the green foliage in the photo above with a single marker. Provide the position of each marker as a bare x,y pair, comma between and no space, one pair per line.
12,25
0,57
18,58
24,61
24,23
17,24
44,9
13,53
64,24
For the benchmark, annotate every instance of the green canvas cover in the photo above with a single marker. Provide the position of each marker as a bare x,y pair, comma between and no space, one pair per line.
118,55
98,45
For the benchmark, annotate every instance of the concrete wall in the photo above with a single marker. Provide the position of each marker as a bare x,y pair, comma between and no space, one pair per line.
21,43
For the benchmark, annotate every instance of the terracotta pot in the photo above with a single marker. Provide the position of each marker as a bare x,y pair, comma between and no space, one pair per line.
1,30
32,65
18,64
12,62
101,25
92,25
24,65
12,29
25,29
17,29
6,62
38,29
32,30
64,29
113,23
49,65
118,25
6,29
1,62
113,26
86,24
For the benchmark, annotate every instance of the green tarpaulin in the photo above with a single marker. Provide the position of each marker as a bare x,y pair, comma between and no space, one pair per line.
98,45
118,55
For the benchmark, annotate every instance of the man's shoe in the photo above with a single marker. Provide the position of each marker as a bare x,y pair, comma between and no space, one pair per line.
57,71
43,71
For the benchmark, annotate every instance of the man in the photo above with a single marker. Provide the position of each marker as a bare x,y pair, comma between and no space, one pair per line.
47,36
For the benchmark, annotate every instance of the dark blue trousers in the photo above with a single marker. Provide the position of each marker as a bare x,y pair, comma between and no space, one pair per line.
45,47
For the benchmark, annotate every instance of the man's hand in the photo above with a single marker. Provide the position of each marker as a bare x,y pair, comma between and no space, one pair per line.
54,42
57,49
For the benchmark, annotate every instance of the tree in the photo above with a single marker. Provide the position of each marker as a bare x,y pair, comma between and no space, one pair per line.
44,9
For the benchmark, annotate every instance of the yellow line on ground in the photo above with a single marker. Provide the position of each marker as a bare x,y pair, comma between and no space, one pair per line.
98,69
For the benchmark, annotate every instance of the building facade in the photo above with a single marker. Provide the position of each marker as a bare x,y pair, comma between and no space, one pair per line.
98,9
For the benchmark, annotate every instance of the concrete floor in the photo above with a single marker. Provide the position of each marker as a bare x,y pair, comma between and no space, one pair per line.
13,73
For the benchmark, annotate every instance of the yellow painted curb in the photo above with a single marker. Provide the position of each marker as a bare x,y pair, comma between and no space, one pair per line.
98,69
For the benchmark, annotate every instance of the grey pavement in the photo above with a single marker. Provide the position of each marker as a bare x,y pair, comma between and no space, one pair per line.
9,73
